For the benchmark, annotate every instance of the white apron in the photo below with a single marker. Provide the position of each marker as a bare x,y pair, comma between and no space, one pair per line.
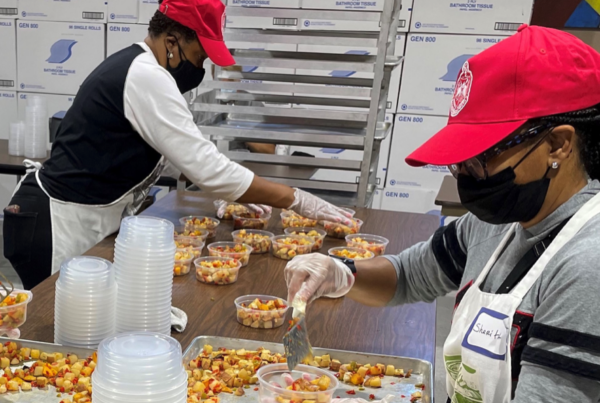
76,228
477,351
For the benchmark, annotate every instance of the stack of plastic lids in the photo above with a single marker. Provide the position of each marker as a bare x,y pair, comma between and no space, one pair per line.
139,367
16,139
86,301
144,255
37,131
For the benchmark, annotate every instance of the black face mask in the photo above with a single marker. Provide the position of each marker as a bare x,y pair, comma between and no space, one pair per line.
499,200
186,75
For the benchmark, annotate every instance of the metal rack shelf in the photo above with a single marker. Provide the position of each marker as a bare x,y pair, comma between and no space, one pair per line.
262,103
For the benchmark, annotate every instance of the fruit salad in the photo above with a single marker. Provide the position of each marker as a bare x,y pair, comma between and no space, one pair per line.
291,219
261,311
193,224
194,243
13,309
318,235
217,371
351,253
231,250
183,261
198,233
251,220
216,270
372,243
260,241
234,209
339,230
287,247
302,385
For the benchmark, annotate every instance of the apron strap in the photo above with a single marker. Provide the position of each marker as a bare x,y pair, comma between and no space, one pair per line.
530,258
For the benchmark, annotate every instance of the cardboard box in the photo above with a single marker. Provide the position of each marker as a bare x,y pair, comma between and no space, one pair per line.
239,21
123,11
410,200
481,17
431,67
410,132
332,175
345,5
9,9
56,103
63,10
8,50
121,36
147,9
394,81
8,112
264,3
55,57
345,25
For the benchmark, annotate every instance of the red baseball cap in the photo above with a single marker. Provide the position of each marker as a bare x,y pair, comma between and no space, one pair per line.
536,72
207,18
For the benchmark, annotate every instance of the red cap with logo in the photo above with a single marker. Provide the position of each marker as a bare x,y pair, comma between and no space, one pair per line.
536,72
207,18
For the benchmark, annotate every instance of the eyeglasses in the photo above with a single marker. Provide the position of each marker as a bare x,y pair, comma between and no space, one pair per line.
477,166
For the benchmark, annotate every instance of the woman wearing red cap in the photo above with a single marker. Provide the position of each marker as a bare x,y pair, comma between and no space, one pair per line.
128,120
523,140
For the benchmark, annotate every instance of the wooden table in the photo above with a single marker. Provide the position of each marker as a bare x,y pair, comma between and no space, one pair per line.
342,324
449,199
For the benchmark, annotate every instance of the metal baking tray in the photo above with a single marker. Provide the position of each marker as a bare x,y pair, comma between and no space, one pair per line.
49,395
422,370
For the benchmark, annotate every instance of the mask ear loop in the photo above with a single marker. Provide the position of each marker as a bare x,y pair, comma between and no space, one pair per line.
533,149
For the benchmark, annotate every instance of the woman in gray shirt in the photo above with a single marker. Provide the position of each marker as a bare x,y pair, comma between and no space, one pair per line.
523,141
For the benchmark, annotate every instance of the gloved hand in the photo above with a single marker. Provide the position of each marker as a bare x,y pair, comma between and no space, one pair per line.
313,276
310,206
387,399
221,205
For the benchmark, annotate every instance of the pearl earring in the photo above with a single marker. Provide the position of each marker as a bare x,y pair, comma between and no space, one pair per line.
170,56
555,165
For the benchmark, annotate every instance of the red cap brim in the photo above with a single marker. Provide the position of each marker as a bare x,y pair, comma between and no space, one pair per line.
458,142
217,52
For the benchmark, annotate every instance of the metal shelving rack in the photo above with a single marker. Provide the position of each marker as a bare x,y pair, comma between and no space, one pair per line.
256,107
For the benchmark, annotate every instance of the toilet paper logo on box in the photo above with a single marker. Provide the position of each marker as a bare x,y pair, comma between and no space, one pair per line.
61,51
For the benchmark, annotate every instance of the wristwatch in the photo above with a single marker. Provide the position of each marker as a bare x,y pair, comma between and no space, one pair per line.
347,262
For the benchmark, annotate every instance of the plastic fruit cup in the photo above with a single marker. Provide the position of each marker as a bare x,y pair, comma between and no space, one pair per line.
349,210
260,319
259,241
291,219
233,208
305,231
287,247
339,230
351,253
182,241
251,220
13,316
197,233
372,243
217,270
183,261
193,223
274,388
231,250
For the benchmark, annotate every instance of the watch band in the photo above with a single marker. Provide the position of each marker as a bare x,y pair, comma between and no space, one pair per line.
348,262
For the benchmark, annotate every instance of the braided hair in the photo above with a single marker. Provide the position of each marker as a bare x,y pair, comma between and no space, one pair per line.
161,24
587,126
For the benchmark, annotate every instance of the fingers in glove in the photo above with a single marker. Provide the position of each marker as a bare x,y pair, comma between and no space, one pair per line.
220,206
256,208
294,283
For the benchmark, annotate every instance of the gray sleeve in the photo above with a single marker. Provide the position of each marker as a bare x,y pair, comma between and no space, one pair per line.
544,385
433,268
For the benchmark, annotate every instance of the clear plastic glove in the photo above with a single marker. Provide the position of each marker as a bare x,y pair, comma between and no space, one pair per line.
221,206
387,399
311,206
309,277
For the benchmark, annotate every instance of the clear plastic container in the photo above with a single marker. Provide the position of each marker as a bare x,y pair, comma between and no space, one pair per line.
274,379
272,316
231,250
291,219
234,208
251,220
217,270
351,253
189,241
315,233
183,261
193,223
287,247
339,230
349,210
197,233
260,241
372,243
13,316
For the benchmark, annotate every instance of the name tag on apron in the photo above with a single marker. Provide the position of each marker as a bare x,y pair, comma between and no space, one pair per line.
488,334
